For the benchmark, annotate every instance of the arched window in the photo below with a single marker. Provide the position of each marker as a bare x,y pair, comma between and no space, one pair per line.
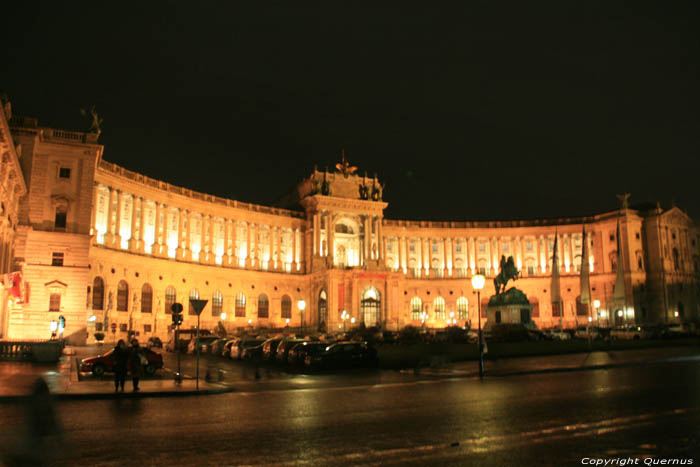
263,306
170,298
146,299
371,307
322,308
286,307
240,305
122,296
439,305
416,308
98,294
217,303
194,295
462,308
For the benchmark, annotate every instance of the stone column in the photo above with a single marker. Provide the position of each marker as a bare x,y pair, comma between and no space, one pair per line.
181,235
142,229
225,256
368,238
330,233
453,251
249,247
211,254
234,248
112,215
157,239
93,210
317,234
134,240
117,224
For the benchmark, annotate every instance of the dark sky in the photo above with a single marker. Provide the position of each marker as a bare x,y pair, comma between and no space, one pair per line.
487,110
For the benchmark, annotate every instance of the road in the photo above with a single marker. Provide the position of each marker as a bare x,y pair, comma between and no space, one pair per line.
539,419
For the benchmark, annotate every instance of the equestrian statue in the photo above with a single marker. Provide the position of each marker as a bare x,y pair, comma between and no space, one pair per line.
508,272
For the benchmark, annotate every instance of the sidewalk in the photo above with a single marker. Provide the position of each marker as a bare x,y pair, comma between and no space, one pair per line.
566,362
17,378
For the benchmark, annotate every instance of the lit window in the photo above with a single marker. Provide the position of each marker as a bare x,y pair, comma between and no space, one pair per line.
240,305
170,296
57,259
416,308
462,308
263,306
217,303
286,307
122,296
439,305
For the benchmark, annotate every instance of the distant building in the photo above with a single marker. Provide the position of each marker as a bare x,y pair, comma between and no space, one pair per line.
103,246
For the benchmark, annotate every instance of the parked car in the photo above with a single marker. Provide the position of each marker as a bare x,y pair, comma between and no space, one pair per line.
629,333
182,338
226,349
252,353
344,355
154,342
557,334
204,344
299,352
102,364
582,332
269,348
240,344
283,349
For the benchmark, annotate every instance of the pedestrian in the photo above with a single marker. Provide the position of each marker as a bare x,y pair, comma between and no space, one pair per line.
121,360
136,362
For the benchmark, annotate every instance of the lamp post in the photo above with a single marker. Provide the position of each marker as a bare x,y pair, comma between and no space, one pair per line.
478,281
596,305
301,304
344,316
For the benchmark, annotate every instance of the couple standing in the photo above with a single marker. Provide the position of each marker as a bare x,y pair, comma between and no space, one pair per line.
132,358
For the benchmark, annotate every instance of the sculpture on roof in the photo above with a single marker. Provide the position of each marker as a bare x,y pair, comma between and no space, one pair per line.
95,126
344,166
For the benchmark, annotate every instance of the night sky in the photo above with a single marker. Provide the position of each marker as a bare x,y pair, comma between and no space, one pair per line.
484,110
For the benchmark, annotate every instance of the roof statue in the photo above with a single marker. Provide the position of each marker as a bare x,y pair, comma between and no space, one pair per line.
95,126
344,166
625,200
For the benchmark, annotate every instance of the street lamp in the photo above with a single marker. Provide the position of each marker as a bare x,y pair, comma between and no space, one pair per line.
344,316
478,281
596,305
301,304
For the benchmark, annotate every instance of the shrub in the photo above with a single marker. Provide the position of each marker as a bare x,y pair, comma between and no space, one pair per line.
509,332
456,334
409,335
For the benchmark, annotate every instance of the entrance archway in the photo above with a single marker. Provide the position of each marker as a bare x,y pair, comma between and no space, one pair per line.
371,307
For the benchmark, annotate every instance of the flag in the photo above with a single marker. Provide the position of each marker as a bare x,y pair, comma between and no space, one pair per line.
585,273
555,287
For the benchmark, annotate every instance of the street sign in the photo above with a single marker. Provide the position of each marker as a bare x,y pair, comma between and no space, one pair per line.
176,307
114,327
198,305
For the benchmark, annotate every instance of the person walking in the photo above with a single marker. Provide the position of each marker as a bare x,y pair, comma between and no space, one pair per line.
136,362
121,359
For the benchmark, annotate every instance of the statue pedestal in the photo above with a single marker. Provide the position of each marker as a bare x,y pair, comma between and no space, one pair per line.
510,307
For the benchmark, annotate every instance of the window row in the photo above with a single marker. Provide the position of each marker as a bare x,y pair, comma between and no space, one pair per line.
217,300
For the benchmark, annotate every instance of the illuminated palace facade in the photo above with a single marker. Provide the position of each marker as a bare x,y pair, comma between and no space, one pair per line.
101,245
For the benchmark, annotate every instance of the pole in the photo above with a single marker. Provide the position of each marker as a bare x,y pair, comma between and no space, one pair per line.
588,324
197,344
480,346
177,349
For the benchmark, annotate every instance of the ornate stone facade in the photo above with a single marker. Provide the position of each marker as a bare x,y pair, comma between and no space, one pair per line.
130,245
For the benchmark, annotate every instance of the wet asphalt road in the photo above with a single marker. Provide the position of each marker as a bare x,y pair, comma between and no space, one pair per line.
546,419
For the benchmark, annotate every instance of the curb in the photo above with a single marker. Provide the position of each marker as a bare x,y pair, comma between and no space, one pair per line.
124,395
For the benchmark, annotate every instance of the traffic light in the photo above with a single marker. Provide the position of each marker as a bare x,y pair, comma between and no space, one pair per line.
176,308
